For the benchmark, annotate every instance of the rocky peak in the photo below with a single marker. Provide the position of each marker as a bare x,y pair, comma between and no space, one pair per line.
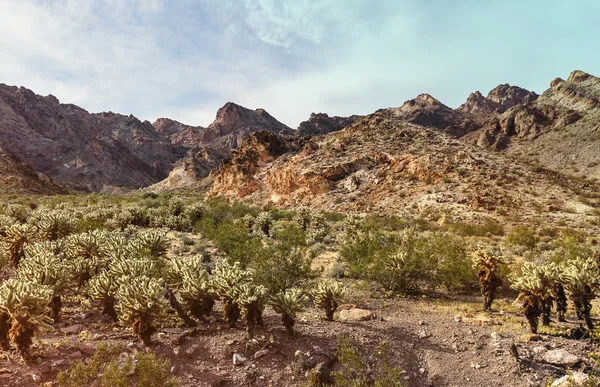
581,92
581,76
508,96
321,123
479,105
425,110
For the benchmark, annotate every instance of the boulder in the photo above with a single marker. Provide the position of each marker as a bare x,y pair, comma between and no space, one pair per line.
356,314
574,379
560,357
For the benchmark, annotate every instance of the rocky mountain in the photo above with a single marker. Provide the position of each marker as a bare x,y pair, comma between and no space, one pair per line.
210,146
427,111
384,164
86,151
17,177
559,130
498,100
321,123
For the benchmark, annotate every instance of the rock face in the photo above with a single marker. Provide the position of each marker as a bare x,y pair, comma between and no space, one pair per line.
427,111
101,151
18,177
498,100
321,123
558,130
210,146
380,164
87,151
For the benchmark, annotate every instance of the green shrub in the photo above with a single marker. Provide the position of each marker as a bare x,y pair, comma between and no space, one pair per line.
522,236
106,369
480,227
363,370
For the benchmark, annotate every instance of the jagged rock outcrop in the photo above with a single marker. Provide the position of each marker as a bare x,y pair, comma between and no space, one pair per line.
178,133
212,145
17,177
498,100
427,111
86,151
580,92
564,104
239,173
382,164
321,123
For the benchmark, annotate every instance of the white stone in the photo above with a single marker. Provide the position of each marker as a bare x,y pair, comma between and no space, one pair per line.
238,359
575,379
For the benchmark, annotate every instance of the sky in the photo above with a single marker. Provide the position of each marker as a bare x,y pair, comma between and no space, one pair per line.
183,59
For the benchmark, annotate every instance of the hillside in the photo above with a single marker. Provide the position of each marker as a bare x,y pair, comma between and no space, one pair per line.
383,164
17,177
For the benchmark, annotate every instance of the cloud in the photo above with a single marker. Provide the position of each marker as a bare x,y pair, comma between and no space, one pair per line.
185,58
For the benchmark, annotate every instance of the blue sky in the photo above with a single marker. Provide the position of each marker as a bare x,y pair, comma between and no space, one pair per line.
183,59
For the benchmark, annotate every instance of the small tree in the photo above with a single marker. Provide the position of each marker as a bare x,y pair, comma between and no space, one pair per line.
27,306
580,277
226,280
327,296
288,303
141,304
251,299
489,274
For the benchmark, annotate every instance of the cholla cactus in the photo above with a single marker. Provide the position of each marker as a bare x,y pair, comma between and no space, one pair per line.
120,220
5,222
288,304
327,296
580,277
319,229
153,243
57,248
15,211
533,285
194,212
263,223
489,274
176,206
303,217
88,254
248,221
14,241
27,306
47,269
196,292
141,304
103,288
351,225
177,265
53,224
134,267
226,279
251,299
